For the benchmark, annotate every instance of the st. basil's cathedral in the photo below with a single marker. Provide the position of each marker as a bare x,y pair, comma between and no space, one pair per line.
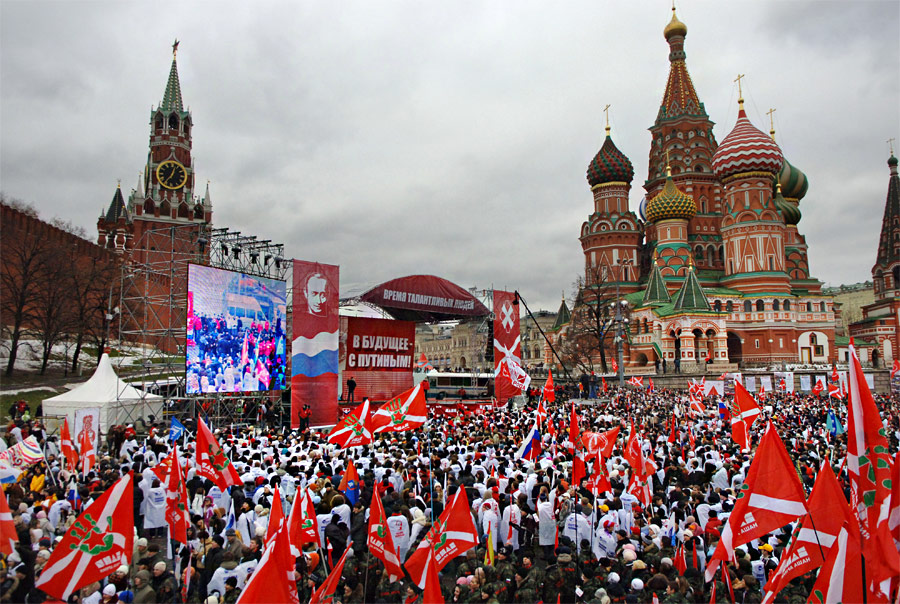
712,264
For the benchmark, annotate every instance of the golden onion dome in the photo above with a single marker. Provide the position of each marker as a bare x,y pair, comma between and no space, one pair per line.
675,27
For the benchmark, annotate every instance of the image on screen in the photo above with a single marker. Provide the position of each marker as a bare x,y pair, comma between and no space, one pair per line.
235,332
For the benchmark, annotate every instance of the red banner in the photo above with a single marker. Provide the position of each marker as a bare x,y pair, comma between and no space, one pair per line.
314,354
378,356
507,346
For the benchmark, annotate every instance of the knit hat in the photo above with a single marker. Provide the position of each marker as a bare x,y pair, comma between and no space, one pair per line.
637,584
160,566
109,590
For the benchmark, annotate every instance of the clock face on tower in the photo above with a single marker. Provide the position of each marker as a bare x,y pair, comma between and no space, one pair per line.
171,174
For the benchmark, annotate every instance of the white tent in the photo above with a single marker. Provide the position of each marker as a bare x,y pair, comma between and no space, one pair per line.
119,401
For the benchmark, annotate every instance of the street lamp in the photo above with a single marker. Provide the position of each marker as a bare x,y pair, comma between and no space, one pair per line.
621,323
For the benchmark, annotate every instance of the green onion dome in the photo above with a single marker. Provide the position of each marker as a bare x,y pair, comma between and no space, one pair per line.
670,203
609,165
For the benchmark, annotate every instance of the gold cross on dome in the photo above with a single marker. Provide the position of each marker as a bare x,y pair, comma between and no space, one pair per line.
606,112
771,115
738,80
890,142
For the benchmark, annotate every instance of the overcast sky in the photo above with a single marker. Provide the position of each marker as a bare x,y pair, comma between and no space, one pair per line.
450,138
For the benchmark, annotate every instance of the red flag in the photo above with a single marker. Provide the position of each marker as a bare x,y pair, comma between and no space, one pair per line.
894,517
673,434
771,497
680,561
615,365
640,487
245,353
608,441
211,461
262,373
841,578
650,385
354,429
451,535
177,515
744,413
163,469
834,390
712,597
578,469
68,447
380,541
816,533
605,387
637,381
101,540
541,413
818,388
633,454
869,468
405,412
303,525
8,536
599,481
573,426
548,391
895,369
272,582
276,516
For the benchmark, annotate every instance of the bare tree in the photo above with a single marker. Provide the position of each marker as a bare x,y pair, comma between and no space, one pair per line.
55,295
91,281
25,258
589,337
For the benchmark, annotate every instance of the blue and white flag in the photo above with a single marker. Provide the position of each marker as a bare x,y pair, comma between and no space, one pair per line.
176,430
833,424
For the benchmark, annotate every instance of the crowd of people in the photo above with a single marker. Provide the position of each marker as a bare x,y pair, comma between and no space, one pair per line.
229,354
553,540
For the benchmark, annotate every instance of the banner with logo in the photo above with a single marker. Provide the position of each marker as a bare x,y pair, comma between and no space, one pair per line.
378,355
87,419
314,354
507,344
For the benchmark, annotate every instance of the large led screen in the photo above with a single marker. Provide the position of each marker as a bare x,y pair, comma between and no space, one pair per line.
235,332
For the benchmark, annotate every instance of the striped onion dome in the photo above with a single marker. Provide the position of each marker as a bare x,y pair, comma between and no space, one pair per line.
794,183
671,203
746,149
609,165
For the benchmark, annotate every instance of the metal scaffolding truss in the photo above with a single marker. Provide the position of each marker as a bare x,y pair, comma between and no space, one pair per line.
235,251
152,311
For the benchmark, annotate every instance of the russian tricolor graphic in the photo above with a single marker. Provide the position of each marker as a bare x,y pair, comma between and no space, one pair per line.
314,355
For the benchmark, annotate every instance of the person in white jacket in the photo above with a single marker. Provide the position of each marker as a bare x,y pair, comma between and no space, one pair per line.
490,523
399,527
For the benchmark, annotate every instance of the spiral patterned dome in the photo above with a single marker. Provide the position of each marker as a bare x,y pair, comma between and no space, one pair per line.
794,183
671,203
788,209
746,149
675,27
609,165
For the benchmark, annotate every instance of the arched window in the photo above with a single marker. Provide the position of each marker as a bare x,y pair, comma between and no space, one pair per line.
823,307
809,307
698,254
187,128
787,304
776,305
198,212
717,306
896,274
183,211
748,306
159,122
760,306
173,122
729,306
149,206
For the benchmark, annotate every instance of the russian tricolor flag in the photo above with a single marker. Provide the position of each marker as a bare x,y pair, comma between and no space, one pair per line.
531,446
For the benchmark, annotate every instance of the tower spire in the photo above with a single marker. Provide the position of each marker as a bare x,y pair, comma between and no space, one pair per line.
172,97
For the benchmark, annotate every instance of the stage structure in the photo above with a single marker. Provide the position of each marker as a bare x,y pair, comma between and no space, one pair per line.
152,317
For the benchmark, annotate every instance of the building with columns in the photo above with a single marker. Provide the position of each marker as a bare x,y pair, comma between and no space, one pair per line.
712,263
